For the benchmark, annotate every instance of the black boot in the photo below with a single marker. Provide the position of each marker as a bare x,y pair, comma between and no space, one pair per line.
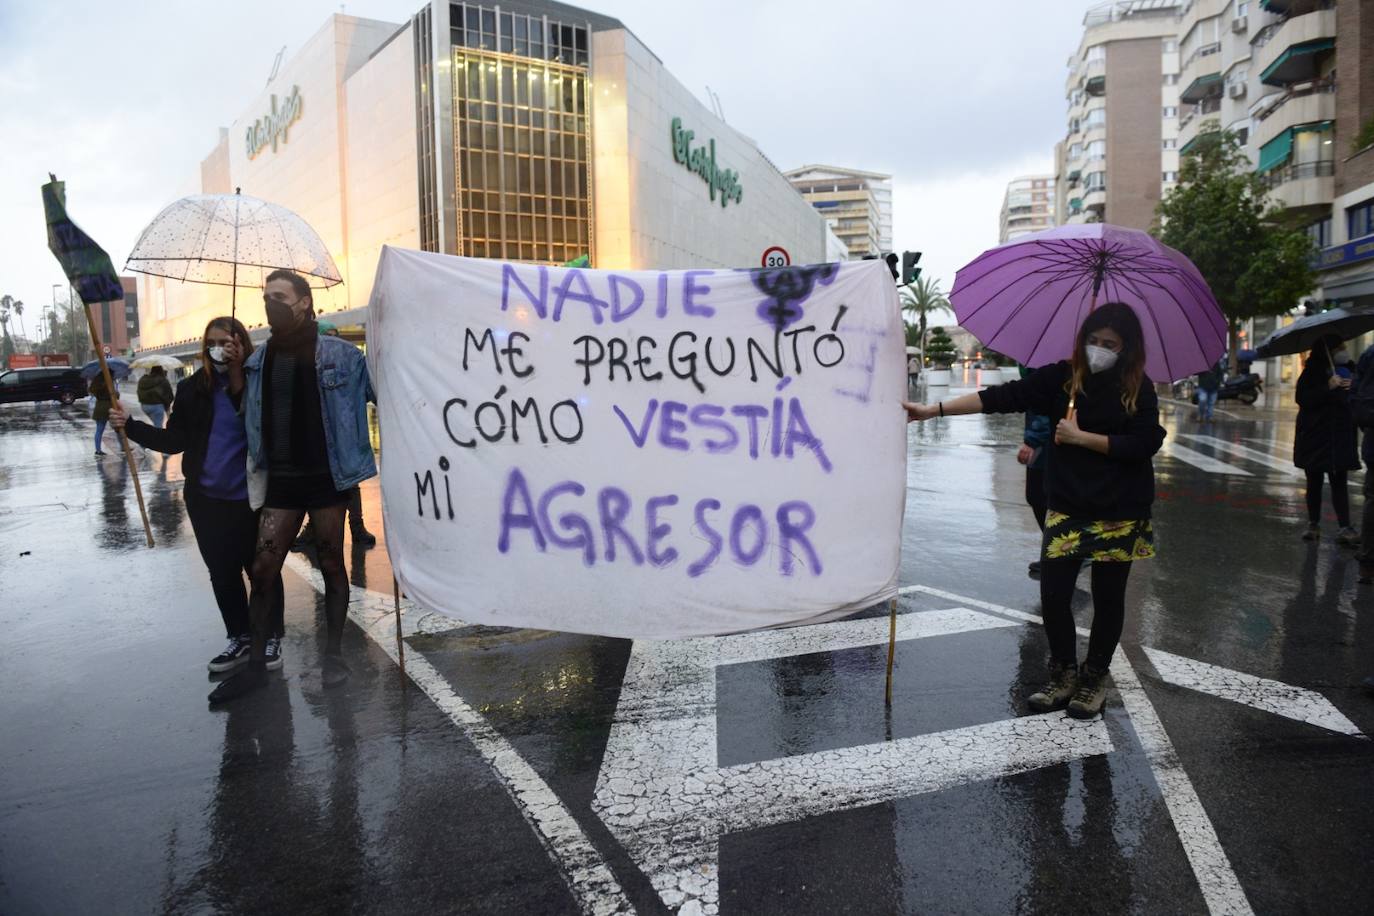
361,536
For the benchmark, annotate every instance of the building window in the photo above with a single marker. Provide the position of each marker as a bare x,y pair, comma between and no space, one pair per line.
1170,45
1320,232
1170,111
1095,181
1171,79
1096,52
1170,143
1360,219
522,138
1170,176
1242,8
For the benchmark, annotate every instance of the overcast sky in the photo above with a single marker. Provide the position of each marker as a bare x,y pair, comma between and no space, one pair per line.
122,101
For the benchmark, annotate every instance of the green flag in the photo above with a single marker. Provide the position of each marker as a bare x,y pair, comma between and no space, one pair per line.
85,263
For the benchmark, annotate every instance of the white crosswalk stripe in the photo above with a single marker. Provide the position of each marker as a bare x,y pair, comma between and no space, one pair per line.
1244,451
1202,462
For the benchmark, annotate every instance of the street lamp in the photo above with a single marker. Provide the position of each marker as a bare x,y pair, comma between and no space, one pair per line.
52,319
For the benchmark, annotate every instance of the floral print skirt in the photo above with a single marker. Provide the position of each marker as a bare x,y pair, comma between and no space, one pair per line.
1103,541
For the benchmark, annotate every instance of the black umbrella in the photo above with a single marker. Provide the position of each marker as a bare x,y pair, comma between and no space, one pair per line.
1305,333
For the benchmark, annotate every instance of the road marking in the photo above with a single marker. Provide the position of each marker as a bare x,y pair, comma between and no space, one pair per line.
1199,460
1242,451
589,879
1296,703
1193,407
664,796
1217,880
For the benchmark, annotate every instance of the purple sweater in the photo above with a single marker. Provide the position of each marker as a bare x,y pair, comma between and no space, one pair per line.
224,475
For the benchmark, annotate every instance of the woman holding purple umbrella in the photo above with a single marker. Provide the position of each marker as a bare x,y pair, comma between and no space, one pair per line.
1099,484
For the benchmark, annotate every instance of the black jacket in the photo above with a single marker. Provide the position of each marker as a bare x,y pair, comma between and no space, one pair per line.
1325,438
187,431
1079,482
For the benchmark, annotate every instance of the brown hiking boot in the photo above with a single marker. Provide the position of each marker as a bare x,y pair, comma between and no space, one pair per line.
1060,689
1091,694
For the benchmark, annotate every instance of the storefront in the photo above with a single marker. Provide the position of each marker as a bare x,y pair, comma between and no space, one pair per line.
526,131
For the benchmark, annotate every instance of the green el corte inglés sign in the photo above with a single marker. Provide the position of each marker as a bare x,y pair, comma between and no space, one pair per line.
702,161
271,128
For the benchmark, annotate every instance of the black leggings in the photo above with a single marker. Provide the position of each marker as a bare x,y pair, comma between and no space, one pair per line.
277,528
226,530
1340,497
1057,579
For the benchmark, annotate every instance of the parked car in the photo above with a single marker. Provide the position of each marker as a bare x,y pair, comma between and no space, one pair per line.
50,383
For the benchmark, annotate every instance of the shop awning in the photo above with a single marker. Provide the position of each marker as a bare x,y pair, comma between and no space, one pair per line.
1187,147
1296,64
1201,88
1276,151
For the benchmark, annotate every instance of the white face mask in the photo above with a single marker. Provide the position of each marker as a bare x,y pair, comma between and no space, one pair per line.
217,354
1100,359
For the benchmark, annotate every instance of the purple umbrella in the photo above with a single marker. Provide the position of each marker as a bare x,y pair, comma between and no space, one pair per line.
1027,298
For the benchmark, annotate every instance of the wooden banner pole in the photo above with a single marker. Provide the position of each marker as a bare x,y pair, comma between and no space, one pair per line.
123,439
400,646
891,647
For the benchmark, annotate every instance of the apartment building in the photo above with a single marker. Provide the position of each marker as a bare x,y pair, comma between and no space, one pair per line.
856,204
1027,206
1121,146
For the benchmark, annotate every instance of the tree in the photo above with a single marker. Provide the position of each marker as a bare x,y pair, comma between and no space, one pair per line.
919,299
8,306
941,348
68,333
1219,217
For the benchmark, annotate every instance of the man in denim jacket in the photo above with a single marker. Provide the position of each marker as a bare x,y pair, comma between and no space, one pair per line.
304,406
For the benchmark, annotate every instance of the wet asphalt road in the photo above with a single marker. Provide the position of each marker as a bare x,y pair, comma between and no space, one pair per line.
1230,772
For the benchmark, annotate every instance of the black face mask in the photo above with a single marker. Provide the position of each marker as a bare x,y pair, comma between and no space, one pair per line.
280,316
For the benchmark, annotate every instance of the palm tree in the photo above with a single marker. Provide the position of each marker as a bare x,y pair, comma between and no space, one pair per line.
920,299
19,313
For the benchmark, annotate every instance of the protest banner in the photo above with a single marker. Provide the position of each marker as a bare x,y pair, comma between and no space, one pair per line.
639,454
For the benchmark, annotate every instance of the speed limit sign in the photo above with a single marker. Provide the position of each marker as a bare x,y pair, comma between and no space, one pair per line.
776,256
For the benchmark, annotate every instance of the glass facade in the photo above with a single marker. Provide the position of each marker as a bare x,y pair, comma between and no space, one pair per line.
522,136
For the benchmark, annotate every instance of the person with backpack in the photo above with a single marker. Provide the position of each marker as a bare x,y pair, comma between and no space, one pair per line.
155,395
1208,386
1324,443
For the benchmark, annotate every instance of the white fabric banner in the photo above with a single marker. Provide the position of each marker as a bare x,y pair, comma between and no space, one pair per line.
639,454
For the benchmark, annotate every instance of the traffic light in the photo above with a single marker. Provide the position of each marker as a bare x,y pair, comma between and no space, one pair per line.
909,269
891,259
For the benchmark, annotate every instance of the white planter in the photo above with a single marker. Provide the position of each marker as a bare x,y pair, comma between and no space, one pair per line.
938,377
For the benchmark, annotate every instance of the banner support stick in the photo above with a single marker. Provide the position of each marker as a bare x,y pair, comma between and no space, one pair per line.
123,439
400,646
891,647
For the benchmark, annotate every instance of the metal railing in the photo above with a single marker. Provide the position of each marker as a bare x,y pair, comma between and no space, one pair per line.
1297,91
1205,51
1321,168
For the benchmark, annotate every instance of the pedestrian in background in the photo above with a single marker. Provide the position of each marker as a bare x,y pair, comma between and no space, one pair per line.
305,413
1362,413
913,372
1324,444
1208,386
100,412
155,395
207,430
1099,489
1034,437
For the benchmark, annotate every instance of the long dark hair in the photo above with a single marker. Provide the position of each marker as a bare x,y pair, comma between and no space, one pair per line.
206,377
1122,319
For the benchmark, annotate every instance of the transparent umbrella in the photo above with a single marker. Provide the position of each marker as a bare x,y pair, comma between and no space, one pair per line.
231,240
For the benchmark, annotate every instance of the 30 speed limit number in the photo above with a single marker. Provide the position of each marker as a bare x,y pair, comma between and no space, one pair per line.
776,256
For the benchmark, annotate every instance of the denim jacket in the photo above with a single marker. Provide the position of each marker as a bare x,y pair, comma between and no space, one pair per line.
345,390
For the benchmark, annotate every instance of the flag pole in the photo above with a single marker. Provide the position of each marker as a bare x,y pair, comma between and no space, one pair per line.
891,646
123,439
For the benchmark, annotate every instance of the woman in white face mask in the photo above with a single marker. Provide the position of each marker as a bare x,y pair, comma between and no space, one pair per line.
1099,489
208,432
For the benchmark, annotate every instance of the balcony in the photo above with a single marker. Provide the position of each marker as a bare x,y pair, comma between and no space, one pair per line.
1315,102
1303,189
1095,199
1289,53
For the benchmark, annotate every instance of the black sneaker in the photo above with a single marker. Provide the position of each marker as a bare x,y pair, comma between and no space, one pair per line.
234,654
364,538
244,682
273,653
1033,570
334,673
